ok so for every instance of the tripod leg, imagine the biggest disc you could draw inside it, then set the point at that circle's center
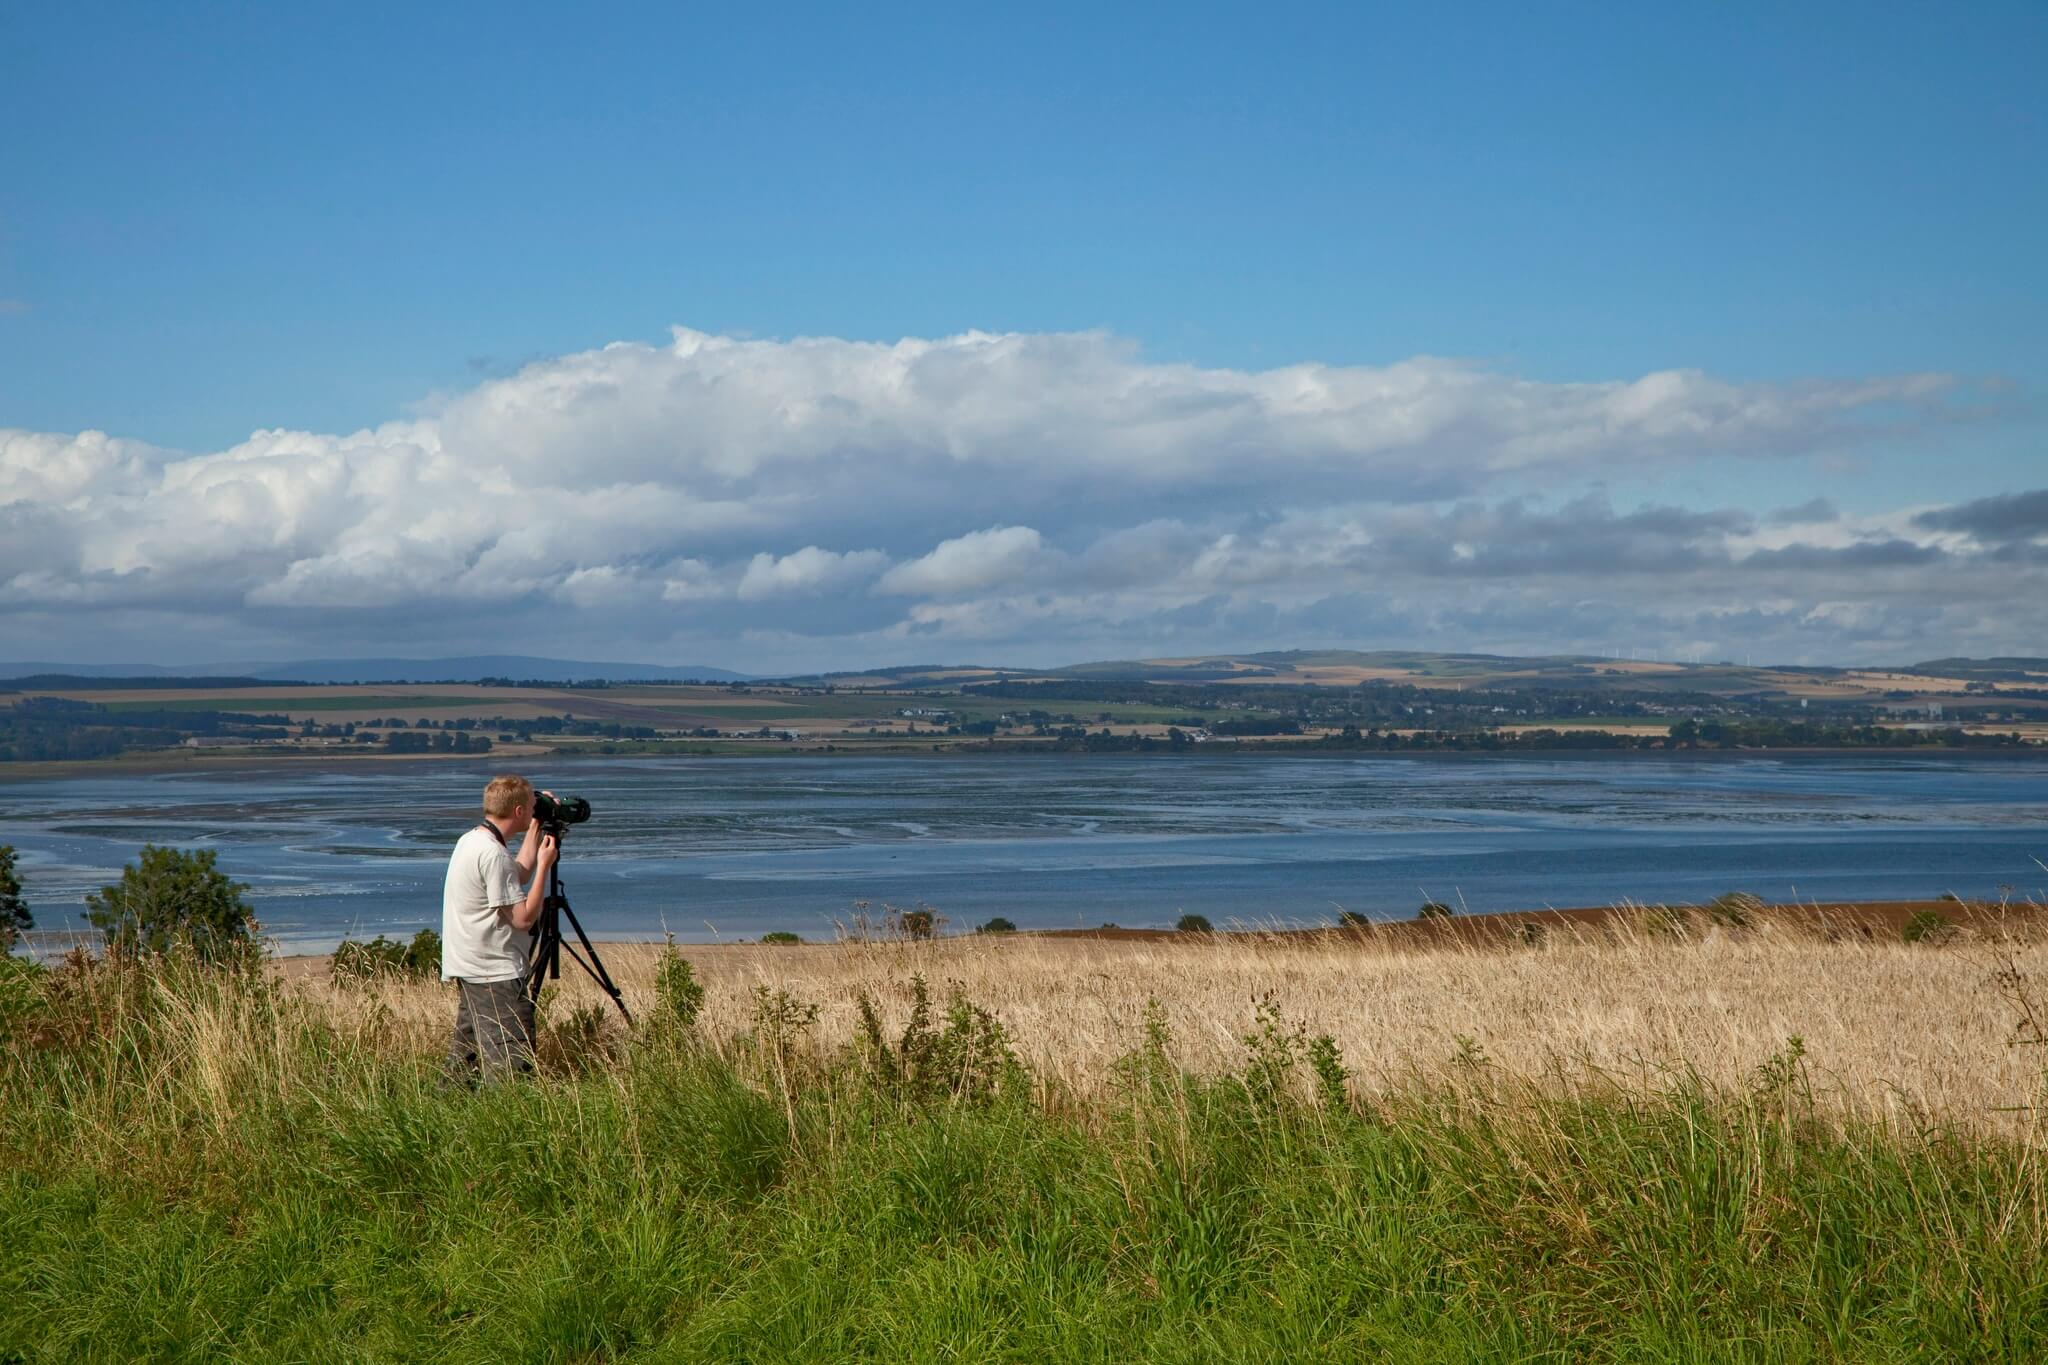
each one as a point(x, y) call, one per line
point(545, 961)
point(595, 966)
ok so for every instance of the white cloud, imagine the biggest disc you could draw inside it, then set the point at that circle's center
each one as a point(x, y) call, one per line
point(979, 559)
point(808, 570)
point(985, 487)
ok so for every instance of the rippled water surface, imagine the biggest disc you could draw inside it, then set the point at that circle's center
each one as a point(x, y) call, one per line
point(736, 847)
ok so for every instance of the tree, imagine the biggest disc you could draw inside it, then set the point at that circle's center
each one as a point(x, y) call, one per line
point(14, 917)
point(998, 925)
point(169, 897)
point(1194, 924)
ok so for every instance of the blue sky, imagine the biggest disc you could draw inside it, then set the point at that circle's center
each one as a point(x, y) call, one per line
point(218, 220)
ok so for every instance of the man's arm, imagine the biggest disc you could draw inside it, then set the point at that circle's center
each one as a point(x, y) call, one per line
point(525, 914)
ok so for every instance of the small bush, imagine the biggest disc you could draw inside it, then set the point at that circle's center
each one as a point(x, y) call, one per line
point(780, 1022)
point(1530, 934)
point(1664, 921)
point(1434, 910)
point(357, 963)
point(1354, 919)
point(998, 925)
point(678, 996)
point(919, 923)
point(1327, 1062)
point(168, 898)
point(1272, 1048)
point(21, 993)
point(1735, 909)
point(583, 1042)
point(781, 936)
point(1928, 926)
point(15, 919)
point(968, 1060)
point(1194, 924)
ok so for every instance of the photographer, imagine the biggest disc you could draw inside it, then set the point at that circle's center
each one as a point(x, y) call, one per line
point(486, 933)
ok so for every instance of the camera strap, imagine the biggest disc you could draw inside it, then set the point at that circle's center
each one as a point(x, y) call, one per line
point(496, 833)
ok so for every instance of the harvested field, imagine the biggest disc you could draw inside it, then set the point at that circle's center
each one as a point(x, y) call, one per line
point(1894, 1032)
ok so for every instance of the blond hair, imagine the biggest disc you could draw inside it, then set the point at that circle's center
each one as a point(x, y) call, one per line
point(506, 793)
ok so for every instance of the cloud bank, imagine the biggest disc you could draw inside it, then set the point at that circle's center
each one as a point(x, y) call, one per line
point(822, 502)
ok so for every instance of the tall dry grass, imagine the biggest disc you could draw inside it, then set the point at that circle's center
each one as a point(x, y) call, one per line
point(1599, 1147)
point(1910, 1035)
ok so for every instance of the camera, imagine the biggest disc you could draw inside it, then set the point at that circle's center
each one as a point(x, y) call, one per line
point(554, 813)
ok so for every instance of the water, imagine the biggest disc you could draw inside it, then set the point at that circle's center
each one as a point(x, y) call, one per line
point(737, 847)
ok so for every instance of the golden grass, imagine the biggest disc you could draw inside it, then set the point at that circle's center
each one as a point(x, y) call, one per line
point(1896, 1033)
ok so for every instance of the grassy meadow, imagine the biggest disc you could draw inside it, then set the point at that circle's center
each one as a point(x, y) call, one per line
point(1660, 1139)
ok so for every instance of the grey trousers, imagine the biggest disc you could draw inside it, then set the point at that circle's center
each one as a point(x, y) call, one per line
point(493, 1035)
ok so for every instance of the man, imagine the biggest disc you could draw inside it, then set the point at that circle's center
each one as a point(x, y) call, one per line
point(486, 934)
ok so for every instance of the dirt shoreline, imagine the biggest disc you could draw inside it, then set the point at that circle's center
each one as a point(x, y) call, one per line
point(1871, 921)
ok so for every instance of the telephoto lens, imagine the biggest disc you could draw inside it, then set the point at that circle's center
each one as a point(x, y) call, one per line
point(560, 810)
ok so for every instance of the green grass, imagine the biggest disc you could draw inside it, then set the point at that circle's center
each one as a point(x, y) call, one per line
point(167, 1196)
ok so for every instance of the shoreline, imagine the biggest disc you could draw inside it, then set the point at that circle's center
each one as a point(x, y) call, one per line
point(159, 764)
point(1867, 921)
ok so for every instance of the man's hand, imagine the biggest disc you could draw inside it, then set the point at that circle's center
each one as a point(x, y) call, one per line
point(546, 853)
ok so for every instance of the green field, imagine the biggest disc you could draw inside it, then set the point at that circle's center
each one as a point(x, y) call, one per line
point(202, 1168)
point(359, 701)
point(854, 706)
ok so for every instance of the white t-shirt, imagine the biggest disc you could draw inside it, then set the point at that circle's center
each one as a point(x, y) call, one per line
point(478, 943)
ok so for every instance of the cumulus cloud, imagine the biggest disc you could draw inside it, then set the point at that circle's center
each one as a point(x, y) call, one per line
point(1051, 491)
point(979, 559)
point(808, 570)
point(2007, 517)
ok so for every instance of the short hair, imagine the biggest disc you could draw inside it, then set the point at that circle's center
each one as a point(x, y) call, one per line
point(506, 793)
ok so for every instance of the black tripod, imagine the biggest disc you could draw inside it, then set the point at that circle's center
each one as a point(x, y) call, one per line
point(547, 936)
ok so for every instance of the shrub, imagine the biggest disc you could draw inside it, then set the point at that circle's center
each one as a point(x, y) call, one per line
point(678, 996)
point(1434, 910)
point(170, 898)
point(781, 936)
point(1664, 921)
point(1735, 909)
point(921, 923)
point(578, 1044)
point(1272, 1048)
point(356, 963)
point(21, 984)
point(969, 1059)
point(998, 925)
point(14, 917)
point(1327, 1062)
point(1530, 934)
point(1928, 926)
point(1354, 919)
point(1195, 924)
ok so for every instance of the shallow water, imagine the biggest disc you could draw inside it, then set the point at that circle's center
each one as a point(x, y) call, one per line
point(737, 847)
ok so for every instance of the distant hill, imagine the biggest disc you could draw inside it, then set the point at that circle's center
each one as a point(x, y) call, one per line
point(1987, 670)
point(514, 666)
point(1580, 673)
